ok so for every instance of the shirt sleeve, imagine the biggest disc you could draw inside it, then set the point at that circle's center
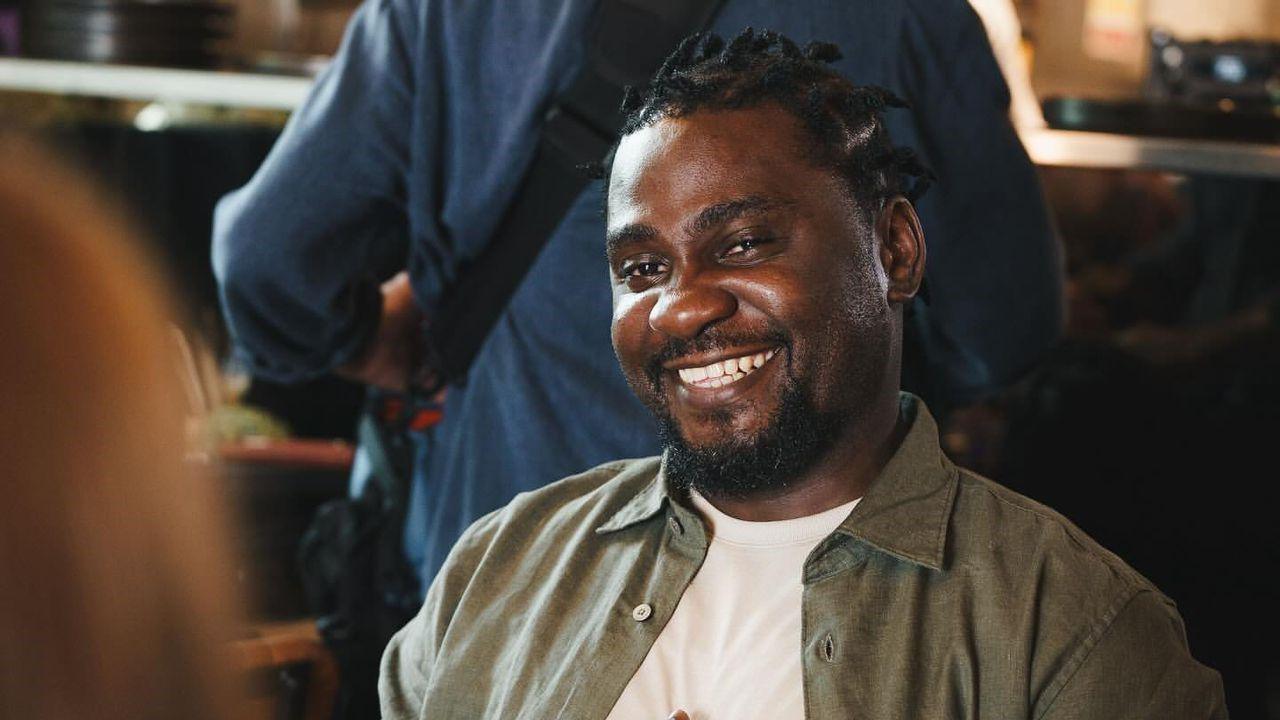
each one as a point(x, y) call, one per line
point(408, 659)
point(994, 269)
point(404, 679)
point(1139, 669)
point(300, 251)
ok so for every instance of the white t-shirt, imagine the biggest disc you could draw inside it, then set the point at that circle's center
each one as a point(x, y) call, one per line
point(732, 648)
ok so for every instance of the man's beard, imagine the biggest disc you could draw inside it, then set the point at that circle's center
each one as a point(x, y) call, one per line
point(796, 435)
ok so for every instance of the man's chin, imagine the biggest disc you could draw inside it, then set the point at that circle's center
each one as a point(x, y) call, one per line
point(728, 457)
point(721, 432)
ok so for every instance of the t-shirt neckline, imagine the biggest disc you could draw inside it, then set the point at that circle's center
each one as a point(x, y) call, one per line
point(774, 533)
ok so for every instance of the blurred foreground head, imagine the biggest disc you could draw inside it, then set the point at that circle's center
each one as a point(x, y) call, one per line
point(112, 550)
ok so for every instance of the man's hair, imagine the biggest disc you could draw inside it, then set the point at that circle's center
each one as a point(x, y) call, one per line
point(844, 121)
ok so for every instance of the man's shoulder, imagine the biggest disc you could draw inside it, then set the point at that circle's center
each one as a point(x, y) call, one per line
point(1084, 612)
point(593, 494)
point(998, 524)
point(553, 515)
point(1043, 580)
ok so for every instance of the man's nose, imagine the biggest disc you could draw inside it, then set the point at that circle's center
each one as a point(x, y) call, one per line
point(687, 308)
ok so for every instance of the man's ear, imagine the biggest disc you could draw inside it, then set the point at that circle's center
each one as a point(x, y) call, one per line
point(902, 250)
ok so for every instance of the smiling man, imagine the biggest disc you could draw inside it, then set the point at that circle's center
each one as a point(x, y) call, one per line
point(803, 548)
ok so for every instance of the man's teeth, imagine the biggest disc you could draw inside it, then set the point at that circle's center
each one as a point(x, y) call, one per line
point(719, 374)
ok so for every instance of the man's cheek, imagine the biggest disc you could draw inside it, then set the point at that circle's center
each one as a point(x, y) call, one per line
point(630, 334)
point(630, 328)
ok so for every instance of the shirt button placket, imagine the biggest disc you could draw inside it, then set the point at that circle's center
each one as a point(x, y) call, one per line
point(828, 648)
point(642, 612)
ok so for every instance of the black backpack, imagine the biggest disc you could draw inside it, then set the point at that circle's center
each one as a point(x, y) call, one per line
point(353, 567)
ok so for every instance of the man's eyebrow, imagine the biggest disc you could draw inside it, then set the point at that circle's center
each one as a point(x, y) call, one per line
point(711, 216)
point(723, 212)
point(616, 240)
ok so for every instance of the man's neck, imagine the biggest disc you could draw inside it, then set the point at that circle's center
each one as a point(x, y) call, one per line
point(843, 474)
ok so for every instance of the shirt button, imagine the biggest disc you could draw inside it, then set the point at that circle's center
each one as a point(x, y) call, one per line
point(642, 612)
point(676, 527)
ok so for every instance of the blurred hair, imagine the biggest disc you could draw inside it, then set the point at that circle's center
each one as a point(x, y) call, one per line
point(117, 599)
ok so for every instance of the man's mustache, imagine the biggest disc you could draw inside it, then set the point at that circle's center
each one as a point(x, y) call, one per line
point(709, 341)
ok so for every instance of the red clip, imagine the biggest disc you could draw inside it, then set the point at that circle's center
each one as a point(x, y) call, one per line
point(425, 418)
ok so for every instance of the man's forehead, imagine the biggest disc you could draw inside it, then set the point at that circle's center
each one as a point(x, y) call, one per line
point(702, 159)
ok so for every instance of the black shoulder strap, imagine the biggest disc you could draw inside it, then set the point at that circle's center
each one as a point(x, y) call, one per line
point(630, 40)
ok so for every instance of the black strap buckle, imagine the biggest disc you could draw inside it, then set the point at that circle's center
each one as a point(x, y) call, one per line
point(577, 140)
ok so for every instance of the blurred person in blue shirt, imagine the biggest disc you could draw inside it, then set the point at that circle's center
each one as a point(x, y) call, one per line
point(417, 135)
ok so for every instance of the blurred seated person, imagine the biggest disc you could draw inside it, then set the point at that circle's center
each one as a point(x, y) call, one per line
point(118, 600)
point(1152, 429)
point(1207, 297)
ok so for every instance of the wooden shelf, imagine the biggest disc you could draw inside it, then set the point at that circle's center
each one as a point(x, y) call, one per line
point(1066, 148)
point(203, 87)
point(313, 454)
point(275, 648)
point(1061, 148)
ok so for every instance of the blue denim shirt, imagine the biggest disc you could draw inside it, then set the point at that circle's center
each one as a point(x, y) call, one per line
point(414, 139)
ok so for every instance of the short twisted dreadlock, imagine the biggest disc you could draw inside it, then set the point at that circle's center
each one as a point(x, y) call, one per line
point(758, 68)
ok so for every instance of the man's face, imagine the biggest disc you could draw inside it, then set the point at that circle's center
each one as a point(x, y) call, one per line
point(750, 301)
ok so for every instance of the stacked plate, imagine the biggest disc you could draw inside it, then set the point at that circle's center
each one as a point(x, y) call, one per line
point(137, 32)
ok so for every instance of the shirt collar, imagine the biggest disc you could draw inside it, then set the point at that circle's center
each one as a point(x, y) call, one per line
point(644, 505)
point(907, 510)
point(905, 513)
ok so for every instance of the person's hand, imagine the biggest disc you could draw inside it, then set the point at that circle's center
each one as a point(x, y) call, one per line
point(388, 360)
point(1162, 346)
point(1197, 346)
point(1103, 282)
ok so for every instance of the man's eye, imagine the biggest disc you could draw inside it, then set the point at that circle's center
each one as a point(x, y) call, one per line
point(744, 245)
point(647, 268)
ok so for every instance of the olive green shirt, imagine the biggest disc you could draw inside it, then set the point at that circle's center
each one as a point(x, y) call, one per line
point(943, 595)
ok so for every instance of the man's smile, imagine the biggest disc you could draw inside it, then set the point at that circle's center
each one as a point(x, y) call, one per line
point(711, 381)
point(721, 372)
